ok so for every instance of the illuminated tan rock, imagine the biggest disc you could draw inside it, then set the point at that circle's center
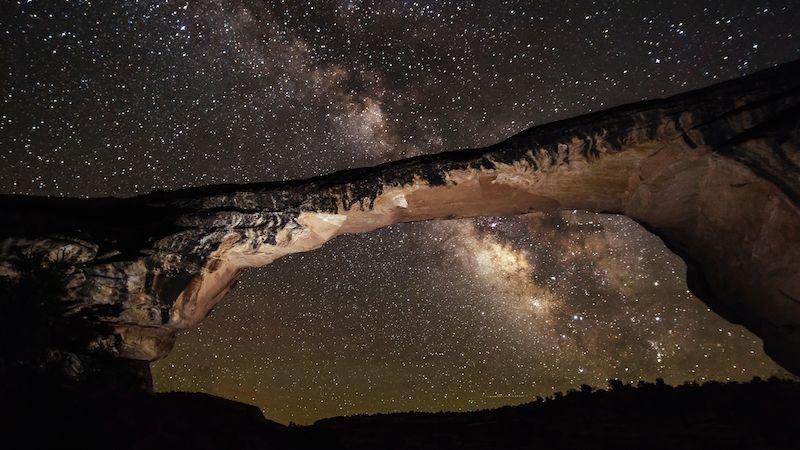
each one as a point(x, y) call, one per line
point(713, 172)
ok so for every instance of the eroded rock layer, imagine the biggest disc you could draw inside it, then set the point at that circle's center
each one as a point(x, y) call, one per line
point(715, 173)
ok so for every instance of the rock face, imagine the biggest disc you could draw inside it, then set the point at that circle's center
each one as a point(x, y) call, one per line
point(715, 173)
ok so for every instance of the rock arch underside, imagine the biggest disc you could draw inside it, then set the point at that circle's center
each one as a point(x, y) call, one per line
point(714, 172)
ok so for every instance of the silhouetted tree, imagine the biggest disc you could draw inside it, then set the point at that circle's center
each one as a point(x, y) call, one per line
point(615, 384)
point(41, 328)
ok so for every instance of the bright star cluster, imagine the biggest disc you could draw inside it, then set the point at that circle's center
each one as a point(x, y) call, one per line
point(120, 98)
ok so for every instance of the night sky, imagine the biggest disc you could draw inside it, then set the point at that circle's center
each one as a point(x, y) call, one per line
point(120, 98)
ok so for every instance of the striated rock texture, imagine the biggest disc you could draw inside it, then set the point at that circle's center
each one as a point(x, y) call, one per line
point(715, 173)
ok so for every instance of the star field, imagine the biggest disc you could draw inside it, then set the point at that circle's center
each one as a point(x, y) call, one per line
point(120, 98)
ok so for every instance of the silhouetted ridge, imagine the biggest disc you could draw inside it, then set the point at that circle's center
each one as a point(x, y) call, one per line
point(754, 415)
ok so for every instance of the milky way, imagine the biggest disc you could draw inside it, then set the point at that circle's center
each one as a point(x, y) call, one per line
point(113, 98)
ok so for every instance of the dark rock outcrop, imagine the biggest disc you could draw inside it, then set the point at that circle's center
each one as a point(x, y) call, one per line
point(715, 173)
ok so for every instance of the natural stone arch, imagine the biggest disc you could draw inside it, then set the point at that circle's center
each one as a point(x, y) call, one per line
point(713, 172)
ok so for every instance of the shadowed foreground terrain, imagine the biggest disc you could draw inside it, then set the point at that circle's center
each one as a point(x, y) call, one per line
point(754, 415)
